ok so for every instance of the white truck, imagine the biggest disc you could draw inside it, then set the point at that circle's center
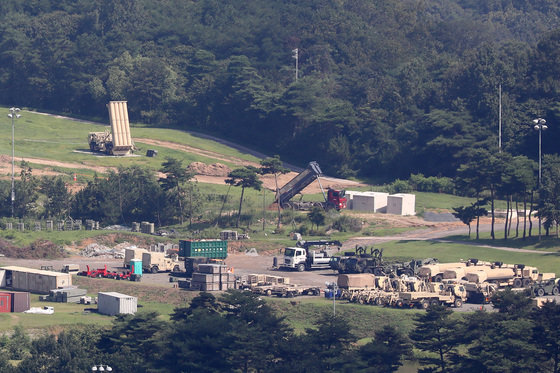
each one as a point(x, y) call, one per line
point(301, 258)
point(155, 262)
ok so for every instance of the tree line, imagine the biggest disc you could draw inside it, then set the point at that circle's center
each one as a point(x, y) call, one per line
point(514, 179)
point(385, 88)
point(128, 194)
point(240, 332)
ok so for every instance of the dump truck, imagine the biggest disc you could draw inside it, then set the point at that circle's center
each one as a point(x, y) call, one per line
point(333, 198)
point(302, 258)
point(155, 262)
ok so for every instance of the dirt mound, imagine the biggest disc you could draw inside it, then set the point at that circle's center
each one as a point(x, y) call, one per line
point(40, 249)
point(215, 169)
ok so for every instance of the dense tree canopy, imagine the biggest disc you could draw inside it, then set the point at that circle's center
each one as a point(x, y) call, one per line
point(385, 88)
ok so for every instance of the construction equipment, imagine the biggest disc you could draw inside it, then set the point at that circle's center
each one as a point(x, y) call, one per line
point(302, 258)
point(116, 141)
point(333, 198)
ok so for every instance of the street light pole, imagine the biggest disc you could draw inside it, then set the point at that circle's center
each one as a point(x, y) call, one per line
point(14, 114)
point(296, 56)
point(540, 125)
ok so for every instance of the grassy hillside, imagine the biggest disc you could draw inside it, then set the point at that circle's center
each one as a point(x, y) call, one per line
point(65, 140)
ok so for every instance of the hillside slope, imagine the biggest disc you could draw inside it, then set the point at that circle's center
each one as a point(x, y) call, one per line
point(212, 158)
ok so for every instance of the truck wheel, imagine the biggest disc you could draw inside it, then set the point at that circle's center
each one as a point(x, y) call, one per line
point(526, 282)
point(458, 302)
point(555, 291)
point(517, 283)
point(434, 302)
point(176, 268)
point(300, 267)
point(438, 278)
point(268, 292)
point(379, 301)
point(424, 304)
point(540, 292)
point(154, 269)
point(400, 303)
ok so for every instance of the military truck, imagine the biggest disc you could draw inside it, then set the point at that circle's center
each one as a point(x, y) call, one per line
point(445, 294)
point(155, 262)
point(101, 141)
point(363, 260)
point(548, 287)
point(516, 276)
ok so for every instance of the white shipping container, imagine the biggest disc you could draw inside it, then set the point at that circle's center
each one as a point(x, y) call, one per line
point(401, 204)
point(112, 303)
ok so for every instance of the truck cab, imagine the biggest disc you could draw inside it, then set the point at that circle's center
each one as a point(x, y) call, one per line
point(336, 199)
point(295, 258)
point(302, 258)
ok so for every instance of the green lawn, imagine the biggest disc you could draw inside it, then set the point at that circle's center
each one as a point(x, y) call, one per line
point(49, 137)
point(451, 252)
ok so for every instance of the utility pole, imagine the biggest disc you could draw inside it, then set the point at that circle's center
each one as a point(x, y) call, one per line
point(500, 122)
point(540, 125)
point(296, 56)
point(14, 114)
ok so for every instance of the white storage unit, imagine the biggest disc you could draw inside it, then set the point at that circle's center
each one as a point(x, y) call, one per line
point(112, 303)
point(370, 201)
point(401, 204)
point(350, 198)
point(33, 280)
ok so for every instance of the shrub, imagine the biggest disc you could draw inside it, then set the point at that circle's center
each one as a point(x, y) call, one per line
point(346, 223)
point(399, 186)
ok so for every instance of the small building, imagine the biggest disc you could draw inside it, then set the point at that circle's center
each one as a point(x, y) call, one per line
point(14, 301)
point(33, 280)
point(401, 204)
point(112, 303)
point(370, 201)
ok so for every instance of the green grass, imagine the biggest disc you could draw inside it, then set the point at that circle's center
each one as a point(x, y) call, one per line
point(451, 252)
point(363, 319)
point(48, 137)
point(550, 244)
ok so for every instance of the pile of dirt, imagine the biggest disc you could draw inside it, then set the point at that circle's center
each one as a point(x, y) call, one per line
point(40, 249)
point(215, 169)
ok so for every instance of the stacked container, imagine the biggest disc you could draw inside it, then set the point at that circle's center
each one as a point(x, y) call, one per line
point(214, 249)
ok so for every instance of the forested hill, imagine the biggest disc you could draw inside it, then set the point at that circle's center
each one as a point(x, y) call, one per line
point(385, 88)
